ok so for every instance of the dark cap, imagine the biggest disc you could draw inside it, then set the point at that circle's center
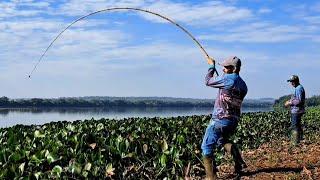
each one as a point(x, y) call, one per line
point(231, 61)
point(293, 78)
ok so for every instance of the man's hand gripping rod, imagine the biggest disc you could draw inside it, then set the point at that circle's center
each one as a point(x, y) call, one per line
point(212, 62)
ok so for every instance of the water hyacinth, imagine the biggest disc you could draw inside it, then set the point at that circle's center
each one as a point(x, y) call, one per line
point(132, 148)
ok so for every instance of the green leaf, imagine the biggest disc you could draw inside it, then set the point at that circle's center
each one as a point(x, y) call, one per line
point(181, 139)
point(109, 170)
point(74, 167)
point(87, 167)
point(127, 144)
point(38, 134)
point(145, 148)
point(163, 160)
point(70, 127)
point(56, 171)
point(100, 127)
point(164, 145)
point(36, 160)
point(21, 168)
point(51, 158)
point(85, 174)
point(37, 175)
point(15, 157)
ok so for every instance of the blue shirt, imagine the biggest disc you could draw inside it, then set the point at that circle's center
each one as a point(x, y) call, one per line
point(232, 90)
point(297, 101)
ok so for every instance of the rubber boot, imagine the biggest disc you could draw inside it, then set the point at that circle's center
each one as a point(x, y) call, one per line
point(210, 167)
point(239, 163)
point(300, 134)
point(295, 137)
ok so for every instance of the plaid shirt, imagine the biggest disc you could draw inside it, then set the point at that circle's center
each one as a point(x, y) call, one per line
point(232, 90)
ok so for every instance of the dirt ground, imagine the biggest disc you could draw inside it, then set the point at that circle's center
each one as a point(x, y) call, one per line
point(276, 161)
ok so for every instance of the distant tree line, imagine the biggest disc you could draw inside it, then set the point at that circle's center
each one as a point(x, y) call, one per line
point(5, 102)
point(312, 101)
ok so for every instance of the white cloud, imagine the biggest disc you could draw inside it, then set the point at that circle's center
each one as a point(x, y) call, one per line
point(211, 13)
point(15, 9)
point(74, 8)
point(262, 33)
point(23, 38)
point(32, 35)
point(88, 43)
point(264, 10)
point(29, 25)
point(306, 12)
point(39, 5)
point(312, 19)
point(74, 44)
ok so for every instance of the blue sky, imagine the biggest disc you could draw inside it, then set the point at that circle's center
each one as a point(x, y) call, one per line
point(133, 54)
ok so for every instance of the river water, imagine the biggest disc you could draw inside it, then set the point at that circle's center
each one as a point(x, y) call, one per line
point(27, 116)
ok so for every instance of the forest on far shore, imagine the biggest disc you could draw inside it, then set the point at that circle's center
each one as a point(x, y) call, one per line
point(106, 101)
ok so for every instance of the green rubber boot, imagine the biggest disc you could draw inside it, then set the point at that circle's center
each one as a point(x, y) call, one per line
point(239, 163)
point(295, 137)
point(210, 168)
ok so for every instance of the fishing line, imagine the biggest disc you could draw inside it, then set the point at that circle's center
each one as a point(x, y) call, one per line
point(114, 9)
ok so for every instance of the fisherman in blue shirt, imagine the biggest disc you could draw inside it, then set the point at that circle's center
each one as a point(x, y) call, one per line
point(297, 104)
point(226, 114)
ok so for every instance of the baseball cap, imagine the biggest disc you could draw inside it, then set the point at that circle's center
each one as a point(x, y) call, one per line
point(231, 61)
point(294, 78)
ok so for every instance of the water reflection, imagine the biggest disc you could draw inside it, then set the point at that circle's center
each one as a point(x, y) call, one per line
point(28, 116)
point(5, 112)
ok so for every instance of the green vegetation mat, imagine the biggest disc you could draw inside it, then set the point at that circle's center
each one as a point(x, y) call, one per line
point(134, 148)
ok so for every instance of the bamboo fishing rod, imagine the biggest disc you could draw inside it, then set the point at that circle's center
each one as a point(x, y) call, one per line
point(122, 8)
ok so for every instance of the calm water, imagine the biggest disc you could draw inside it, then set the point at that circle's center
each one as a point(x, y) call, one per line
point(11, 117)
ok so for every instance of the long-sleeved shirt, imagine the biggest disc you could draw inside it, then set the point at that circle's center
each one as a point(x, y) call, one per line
point(297, 101)
point(232, 90)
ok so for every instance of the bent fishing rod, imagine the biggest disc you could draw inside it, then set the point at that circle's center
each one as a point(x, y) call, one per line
point(127, 9)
